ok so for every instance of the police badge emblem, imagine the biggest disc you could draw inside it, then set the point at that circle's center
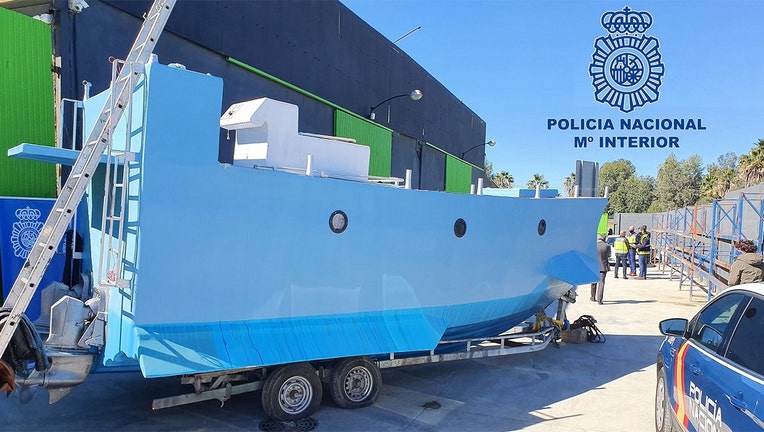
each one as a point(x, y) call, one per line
point(25, 231)
point(626, 66)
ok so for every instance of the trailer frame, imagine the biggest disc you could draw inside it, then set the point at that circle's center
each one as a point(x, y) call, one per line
point(220, 384)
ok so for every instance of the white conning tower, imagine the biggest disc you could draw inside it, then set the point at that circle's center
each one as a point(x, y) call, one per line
point(267, 136)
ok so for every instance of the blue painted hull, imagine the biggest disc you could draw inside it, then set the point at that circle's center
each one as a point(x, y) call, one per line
point(235, 267)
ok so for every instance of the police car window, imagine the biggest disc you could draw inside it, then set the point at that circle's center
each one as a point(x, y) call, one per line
point(711, 337)
point(711, 324)
point(746, 346)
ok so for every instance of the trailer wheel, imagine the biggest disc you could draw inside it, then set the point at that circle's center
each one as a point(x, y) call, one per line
point(292, 392)
point(355, 382)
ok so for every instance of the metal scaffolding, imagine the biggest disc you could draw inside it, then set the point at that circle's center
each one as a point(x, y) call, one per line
point(696, 242)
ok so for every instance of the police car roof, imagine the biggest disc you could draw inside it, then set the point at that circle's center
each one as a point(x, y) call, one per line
point(757, 288)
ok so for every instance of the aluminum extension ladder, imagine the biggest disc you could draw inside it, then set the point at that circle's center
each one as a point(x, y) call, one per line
point(86, 164)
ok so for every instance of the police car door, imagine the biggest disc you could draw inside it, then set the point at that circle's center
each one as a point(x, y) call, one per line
point(740, 379)
point(699, 361)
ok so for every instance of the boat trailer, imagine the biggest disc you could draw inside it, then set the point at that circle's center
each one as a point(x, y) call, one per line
point(223, 385)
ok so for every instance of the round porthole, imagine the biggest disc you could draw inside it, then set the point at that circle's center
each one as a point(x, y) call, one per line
point(542, 227)
point(338, 221)
point(460, 227)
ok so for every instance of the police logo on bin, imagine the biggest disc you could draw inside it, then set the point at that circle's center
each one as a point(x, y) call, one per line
point(25, 231)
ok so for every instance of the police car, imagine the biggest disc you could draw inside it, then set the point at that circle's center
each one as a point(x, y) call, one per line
point(711, 368)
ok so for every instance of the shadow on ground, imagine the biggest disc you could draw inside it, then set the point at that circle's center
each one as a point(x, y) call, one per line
point(500, 393)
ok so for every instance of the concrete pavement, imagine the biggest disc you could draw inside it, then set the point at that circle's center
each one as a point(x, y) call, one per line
point(574, 388)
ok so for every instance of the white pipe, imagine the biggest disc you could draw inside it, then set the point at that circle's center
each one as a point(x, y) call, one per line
point(607, 190)
point(309, 168)
point(480, 186)
point(538, 190)
point(408, 179)
point(86, 89)
point(472, 189)
point(575, 191)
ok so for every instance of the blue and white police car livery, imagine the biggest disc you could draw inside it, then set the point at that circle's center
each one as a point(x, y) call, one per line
point(711, 369)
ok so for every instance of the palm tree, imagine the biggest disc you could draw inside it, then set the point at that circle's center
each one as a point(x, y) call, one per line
point(751, 165)
point(718, 182)
point(503, 180)
point(537, 179)
point(569, 184)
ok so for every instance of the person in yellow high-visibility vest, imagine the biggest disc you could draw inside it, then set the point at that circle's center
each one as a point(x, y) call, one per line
point(621, 247)
point(643, 251)
point(632, 238)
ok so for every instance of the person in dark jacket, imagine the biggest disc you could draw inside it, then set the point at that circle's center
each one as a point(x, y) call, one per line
point(748, 267)
point(603, 253)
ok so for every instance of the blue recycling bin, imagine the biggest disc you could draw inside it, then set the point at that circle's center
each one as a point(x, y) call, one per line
point(20, 222)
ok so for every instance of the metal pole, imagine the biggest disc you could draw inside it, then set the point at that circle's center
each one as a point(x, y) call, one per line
point(309, 167)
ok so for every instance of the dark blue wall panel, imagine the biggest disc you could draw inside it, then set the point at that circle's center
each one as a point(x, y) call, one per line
point(433, 169)
point(405, 156)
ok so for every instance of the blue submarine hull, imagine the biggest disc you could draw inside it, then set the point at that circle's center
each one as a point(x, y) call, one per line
point(233, 267)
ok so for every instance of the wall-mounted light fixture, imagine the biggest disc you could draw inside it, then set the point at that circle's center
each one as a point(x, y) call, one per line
point(414, 95)
point(490, 143)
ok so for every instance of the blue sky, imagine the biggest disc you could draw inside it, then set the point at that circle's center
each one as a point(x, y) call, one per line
point(519, 63)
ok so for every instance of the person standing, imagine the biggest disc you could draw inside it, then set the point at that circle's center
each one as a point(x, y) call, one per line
point(747, 267)
point(603, 253)
point(632, 238)
point(643, 251)
point(621, 246)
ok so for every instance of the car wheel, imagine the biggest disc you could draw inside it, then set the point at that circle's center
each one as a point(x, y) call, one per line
point(663, 420)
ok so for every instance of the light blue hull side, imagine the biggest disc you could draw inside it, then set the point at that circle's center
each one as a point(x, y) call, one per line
point(234, 267)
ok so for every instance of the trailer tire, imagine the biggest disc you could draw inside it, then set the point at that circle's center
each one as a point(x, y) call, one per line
point(292, 392)
point(355, 382)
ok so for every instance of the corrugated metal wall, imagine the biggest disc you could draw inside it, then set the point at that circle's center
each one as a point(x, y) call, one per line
point(458, 175)
point(379, 139)
point(27, 108)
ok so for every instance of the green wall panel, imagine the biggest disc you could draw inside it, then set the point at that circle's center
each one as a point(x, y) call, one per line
point(458, 175)
point(379, 139)
point(26, 104)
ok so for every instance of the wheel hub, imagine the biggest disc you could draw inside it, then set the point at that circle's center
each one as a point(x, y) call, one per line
point(358, 384)
point(295, 395)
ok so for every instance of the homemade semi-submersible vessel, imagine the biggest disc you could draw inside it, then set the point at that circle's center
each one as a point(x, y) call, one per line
point(289, 267)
